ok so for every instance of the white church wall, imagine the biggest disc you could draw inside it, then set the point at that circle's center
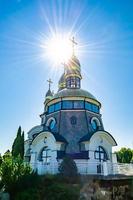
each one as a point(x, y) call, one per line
point(44, 139)
point(47, 168)
point(100, 140)
point(58, 145)
point(26, 146)
point(90, 166)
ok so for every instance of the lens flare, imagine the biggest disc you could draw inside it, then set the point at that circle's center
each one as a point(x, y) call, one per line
point(59, 49)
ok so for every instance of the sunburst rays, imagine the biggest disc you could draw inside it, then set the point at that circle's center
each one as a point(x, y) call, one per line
point(29, 47)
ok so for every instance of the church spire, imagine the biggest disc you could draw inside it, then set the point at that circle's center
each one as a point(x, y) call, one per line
point(49, 93)
point(50, 82)
point(73, 69)
point(71, 77)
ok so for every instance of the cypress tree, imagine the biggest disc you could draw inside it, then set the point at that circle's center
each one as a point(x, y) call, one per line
point(18, 144)
point(22, 145)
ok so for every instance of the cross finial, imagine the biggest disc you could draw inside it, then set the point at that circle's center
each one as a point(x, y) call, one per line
point(73, 44)
point(49, 82)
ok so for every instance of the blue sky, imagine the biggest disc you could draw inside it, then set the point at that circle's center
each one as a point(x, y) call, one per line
point(104, 32)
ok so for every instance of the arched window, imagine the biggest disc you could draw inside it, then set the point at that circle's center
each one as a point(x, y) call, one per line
point(100, 154)
point(51, 123)
point(45, 155)
point(95, 123)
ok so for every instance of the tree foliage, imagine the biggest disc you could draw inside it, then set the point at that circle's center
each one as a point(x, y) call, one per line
point(18, 144)
point(124, 155)
point(54, 187)
point(11, 171)
point(15, 175)
point(28, 194)
point(21, 183)
point(68, 167)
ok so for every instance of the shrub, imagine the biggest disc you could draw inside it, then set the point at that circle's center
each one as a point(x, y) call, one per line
point(29, 194)
point(12, 171)
point(68, 167)
point(58, 191)
point(54, 187)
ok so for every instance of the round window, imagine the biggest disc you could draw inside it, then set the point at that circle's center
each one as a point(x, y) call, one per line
point(52, 124)
point(94, 124)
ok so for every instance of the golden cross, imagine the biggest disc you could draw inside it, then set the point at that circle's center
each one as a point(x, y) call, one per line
point(49, 82)
point(73, 43)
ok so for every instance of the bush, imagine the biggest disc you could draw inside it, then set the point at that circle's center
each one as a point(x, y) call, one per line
point(22, 184)
point(68, 167)
point(29, 194)
point(54, 187)
point(62, 192)
point(68, 171)
point(15, 175)
point(58, 191)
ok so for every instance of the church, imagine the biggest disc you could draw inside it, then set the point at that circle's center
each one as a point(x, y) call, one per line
point(71, 125)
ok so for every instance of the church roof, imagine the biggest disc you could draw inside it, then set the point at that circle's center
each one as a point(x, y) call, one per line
point(62, 82)
point(49, 93)
point(74, 92)
point(87, 137)
point(74, 62)
point(59, 138)
point(73, 67)
point(62, 78)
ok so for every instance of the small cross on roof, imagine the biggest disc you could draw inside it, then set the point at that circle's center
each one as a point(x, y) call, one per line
point(73, 43)
point(49, 82)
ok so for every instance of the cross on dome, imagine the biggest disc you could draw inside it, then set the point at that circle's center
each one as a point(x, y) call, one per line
point(49, 82)
point(73, 44)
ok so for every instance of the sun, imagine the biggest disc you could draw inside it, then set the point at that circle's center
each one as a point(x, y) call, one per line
point(59, 49)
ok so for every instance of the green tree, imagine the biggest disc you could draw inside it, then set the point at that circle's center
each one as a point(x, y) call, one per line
point(11, 171)
point(18, 144)
point(124, 155)
point(22, 145)
point(7, 154)
point(68, 167)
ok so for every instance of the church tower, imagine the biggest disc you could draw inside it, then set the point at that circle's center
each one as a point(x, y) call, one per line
point(73, 73)
point(71, 78)
point(71, 125)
